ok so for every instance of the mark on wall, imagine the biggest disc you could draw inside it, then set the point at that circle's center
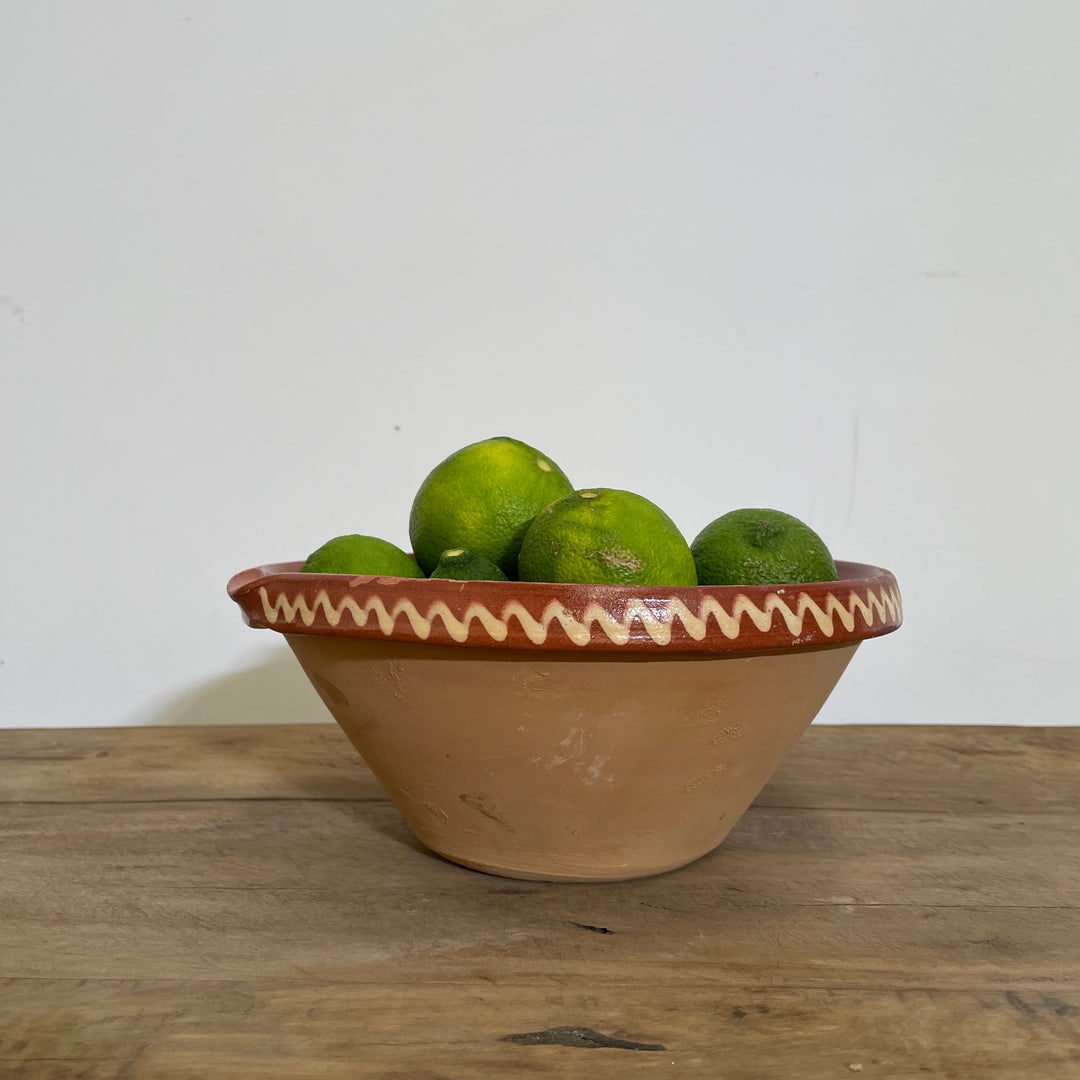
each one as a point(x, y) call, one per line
point(854, 467)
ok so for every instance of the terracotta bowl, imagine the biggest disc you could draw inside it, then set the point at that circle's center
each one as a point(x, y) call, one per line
point(570, 732)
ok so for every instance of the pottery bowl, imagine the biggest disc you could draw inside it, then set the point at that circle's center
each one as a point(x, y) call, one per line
point(570, 732)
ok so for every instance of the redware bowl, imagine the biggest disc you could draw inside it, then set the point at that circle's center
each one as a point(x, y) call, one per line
point(570, 732)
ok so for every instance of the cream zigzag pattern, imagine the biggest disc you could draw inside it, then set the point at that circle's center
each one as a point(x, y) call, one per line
point(884, 607)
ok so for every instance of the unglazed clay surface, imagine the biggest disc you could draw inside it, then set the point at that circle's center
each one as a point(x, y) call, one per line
point(575, 767)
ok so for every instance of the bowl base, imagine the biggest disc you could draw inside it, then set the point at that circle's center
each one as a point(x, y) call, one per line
point(583, 875)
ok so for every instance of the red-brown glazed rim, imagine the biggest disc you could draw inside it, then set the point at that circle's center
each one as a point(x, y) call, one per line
point(865, 602)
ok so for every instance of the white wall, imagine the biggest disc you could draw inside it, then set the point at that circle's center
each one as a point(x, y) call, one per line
point(262, 265)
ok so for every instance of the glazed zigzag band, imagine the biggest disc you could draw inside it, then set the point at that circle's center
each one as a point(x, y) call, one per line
point(657, 618)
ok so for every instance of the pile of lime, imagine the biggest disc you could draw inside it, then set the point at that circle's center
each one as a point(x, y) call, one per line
point(500, 510)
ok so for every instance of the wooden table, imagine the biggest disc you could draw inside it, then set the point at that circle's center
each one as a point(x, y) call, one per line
point(245, 903)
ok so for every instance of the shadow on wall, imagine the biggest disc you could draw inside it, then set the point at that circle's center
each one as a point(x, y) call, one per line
point(274, 691)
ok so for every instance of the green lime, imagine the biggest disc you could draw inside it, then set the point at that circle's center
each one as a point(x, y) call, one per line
point(603, 536)
point(482, 498)
point(461, 565)
point(760, 547)
point(355, 554)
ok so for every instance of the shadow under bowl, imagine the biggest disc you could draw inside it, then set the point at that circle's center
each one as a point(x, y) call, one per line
point(570, 732)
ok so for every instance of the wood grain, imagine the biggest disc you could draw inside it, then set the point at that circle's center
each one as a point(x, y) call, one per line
point(929, 768)
point(245, 902)
point(254, 1030)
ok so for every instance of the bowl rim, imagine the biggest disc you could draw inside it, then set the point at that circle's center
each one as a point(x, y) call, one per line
point(863, 602)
